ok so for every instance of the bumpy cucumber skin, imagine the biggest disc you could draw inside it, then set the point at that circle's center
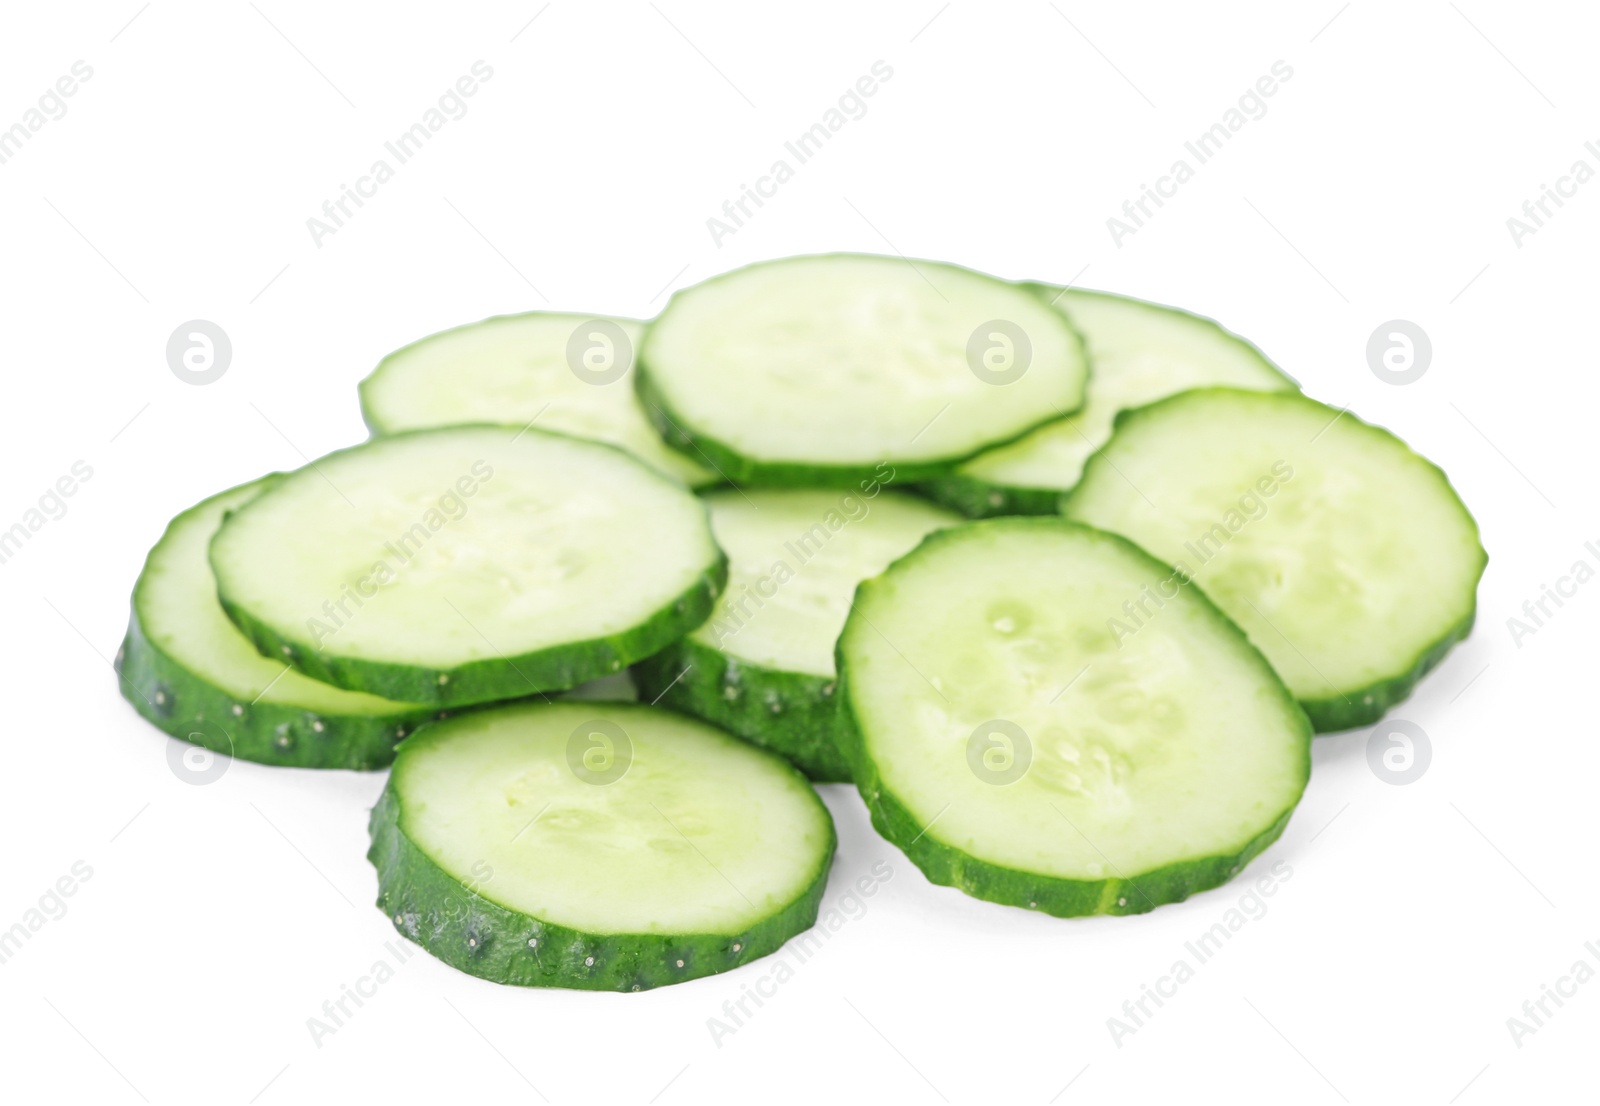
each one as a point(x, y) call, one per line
point(1050, 293)
point(948, 866)
point(554, 668)
point(557, 668)
point(376, 429)
point(367, 384)
point(976, 498)
point(793, 714)
point(1368, 705)
point(749, 472)
point(738, 468)
point(480, 937)
point(185, 705)
point(979, 498)
point(1362, 706)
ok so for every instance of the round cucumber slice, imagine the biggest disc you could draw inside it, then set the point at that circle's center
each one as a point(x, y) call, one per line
point(570, 373)
point(1012, 747)
point(816, 370)
point(762, 664)
point(188, 670)
point(1140, 352)
point(468, 564)
point(1349, 560)
point(604, 846)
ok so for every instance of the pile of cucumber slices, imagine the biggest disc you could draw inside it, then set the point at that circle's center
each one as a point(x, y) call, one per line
point(1063, 581)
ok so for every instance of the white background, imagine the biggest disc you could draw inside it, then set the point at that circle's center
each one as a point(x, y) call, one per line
point(177, 186)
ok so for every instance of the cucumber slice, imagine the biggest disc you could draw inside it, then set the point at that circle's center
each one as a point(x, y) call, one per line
point(1349, 560)
point(188, 670)
point(468, 564)
point(1010, 748)
point(571, 373)
point(762, 664)
point(604, 846)
point(1140, 352)
point(814, 370)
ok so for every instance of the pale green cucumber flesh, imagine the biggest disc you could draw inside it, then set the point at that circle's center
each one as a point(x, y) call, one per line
point(1014, 748)
point(1349, 560)
point(605, 846)
point(468, 564)
point(1138, 353)
point(762, 665)
point(819, 370)
point(188, 670)
point(563, 372)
